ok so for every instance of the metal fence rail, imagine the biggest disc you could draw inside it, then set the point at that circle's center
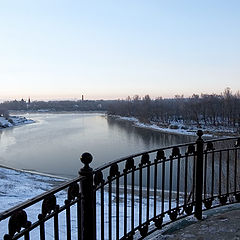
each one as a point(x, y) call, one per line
point(128, 195)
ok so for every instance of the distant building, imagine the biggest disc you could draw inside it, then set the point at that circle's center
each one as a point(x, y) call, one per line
point(29, 100)
point(82, 98)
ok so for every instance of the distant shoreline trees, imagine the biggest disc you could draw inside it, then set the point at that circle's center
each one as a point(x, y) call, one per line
point(204, 109)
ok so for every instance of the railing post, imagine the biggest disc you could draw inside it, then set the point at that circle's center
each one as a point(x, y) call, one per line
point(199, 176)
point(87, 201)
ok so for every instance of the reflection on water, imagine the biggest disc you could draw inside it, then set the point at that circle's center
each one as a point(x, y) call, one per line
point(55, 142)
point(150, 138)
point(7, 139)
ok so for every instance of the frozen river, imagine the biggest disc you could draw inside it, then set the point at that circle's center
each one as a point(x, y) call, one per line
point(54, 143)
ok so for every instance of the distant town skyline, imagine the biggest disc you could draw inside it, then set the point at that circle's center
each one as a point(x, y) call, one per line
point(83, 97)
point(114, 49)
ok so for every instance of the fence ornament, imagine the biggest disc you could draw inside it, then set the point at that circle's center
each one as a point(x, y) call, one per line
point(158, 222)
point(173, 215)
point(207, 203)
point(191, 149)
point(223, 199)
point(145, 159)
point(176, 152)
point(73, 191)
point(48, 205)
point(98, 178)
point(113, 171)
point(188, 209)
point(16, 222)
point(129, 164)
point(209, 147)
point(160, 155)
point(144, 230)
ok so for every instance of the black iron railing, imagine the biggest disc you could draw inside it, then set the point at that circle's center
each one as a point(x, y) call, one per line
point(133, 196)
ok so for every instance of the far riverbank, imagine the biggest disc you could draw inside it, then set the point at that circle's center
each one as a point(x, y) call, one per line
point(180, 128)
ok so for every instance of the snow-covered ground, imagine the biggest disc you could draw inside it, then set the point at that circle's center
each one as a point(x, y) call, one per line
point(180, 128)
point(13, 121)
point(18, 186)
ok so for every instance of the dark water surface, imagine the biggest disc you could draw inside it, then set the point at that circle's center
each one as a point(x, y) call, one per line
point(55, 142)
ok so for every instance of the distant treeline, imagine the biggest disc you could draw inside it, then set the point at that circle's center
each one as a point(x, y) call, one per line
point(207, 109)
point(63, 105)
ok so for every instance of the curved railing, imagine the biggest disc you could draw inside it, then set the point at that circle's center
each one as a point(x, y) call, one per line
point(136, 195)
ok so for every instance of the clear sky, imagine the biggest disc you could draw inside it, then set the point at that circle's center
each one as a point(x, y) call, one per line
point(55, 49)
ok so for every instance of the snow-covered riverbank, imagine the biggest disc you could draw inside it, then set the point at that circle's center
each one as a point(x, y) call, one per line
point(18, 186)
point(11, 121)
point(180, 128)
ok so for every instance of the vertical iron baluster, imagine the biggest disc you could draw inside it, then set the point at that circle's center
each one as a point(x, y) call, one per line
point(148, 188)
point(56, 232)
point(155, 188)
point(194, 176)
point(42, 231)
point(212, 192)
point(178, 180)
point(163, 185)
point(235, 172)
point(102, 211)
point(199, 175)
point(79, 217)
point(205, 176)
point(68, 219)
point(132, 201)
point(125, 203)
point(117, 208)
point(110, 209)
point(228, 172)
point(26, 236)
point(140, 195)
point(220, 173)
point(185, 181)
point(170, 183)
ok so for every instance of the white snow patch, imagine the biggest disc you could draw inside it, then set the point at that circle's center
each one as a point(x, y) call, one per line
point(13, 121)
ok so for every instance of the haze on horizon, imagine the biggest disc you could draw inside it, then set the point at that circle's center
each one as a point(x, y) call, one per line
point(112, 49)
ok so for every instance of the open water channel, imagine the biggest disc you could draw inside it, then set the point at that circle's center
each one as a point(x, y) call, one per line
point(55, 142)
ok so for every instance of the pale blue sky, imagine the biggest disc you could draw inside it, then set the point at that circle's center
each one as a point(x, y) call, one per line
point(53, 49)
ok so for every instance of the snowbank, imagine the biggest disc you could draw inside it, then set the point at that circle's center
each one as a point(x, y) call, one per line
point(13, 121)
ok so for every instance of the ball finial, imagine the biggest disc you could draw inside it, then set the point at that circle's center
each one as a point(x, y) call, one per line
point(86, 158)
